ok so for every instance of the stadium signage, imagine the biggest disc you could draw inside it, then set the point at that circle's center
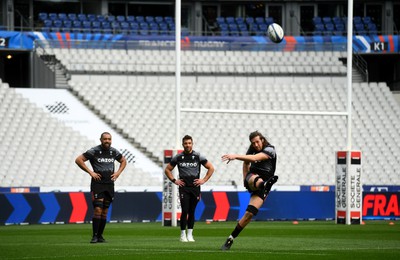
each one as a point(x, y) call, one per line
point(3, 42)
point(379, 46)
point(383, 205)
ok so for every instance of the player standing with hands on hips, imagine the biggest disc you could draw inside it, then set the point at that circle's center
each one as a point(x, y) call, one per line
point(259, 165)
point(189, 167)
point(102, 159)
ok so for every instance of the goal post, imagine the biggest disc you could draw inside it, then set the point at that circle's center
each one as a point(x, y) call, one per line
point(348, 192)
point(171, 206)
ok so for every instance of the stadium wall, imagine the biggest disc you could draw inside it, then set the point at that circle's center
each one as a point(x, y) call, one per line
point(75, 207)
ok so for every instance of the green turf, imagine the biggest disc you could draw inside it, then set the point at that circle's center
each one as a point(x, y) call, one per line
point(260, 240)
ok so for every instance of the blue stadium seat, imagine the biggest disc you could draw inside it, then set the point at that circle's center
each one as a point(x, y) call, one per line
point(100, 18)
point(72, 16)
point(125, 28)
point(263, 27)
point(169, 19)
point(233, 29)
point(220, 20)
point(105, 25)
point(110, 18)
point(48, 23)
point(153, 27)
point(249, 20)
point(337, 20)
point(130, 18)
point(57, 23)
point(357, 20)
point(43, 16)
point(91, 17)
point(317, 20)
point(134, 28)
point(326, 20)
point(62, 16)
point(359, 29)
point(149, 19)
point(120, 18)
point(340, 29)
point(76, 26)
point(87, 26)
point(53, 16)
point(367, 19)
point(229, 19)
point(159, 19)
point(239, 20)
point(330, 29)
point(163, 28)
point(223, 27)
point(115, 26)
point(140, 19)
point(319, 29)
point(82, 17)
point(372, 29)
point(67, 24)
point(96, 27)
point(269, 20)
point(260, 20)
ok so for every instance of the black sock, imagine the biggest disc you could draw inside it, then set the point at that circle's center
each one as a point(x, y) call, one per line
point(236, 231)
point(95, 225)
point(102, 225)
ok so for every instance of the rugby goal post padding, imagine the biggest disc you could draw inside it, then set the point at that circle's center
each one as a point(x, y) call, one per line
point(171, 206)
point(348, 192)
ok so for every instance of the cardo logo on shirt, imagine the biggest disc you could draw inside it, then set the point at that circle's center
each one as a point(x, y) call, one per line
point(105, 160)
point(188, 164)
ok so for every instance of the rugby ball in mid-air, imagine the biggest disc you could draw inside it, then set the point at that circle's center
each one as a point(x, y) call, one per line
point(275, 33)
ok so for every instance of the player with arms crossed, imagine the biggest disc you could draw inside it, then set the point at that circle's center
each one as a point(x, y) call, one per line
point(189, 166)
point(102, 159)
point(258, 174)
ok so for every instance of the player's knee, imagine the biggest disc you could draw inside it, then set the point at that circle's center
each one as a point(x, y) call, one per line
point(253, 210)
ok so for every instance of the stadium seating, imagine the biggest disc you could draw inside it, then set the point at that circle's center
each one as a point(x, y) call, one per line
point(338, 25)
point(306, 144)
point(43, 149)
point(231, 62)
point(142, 106)
point(91, 23)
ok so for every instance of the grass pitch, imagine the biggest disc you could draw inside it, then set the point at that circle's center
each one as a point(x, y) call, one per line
point(260, 240)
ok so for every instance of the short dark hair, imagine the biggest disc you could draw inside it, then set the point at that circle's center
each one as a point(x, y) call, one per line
point(187, 137)
point(104, 133)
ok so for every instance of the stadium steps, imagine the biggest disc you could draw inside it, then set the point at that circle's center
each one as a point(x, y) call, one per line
point(101, 114)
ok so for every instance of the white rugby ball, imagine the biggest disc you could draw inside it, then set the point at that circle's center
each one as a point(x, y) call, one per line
point(275, 32)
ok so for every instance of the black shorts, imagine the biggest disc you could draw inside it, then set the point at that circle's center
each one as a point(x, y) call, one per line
point(191, 191)
point(259, 193)
point(102, 191)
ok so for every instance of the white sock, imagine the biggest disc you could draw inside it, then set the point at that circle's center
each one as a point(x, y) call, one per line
point(230, 236)
point(190, 232)
point(183, 233)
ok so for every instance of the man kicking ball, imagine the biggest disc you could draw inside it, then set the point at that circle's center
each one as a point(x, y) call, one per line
point(259, 165)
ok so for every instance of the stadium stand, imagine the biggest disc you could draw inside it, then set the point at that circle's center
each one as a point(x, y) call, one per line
point(91, 23)
point(42, 150)
point(228, 62)
point(306, 144)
